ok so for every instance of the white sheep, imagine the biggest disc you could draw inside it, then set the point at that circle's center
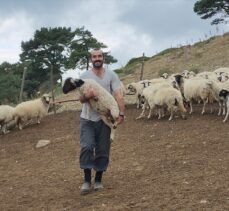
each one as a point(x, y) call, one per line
point(161, 96)
point(222, 70)
point(6, 116)
point(28, 110)
point(136, 88)
point(104, 103)
point(195, 89)
point(216, 88)
point(225, 94)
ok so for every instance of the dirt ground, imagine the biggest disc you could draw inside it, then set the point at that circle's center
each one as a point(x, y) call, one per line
point(154, 165)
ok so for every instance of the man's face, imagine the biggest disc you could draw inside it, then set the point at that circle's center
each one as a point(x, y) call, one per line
point(97, 58)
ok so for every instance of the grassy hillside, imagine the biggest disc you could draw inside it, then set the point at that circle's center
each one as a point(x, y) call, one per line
point(202, 56)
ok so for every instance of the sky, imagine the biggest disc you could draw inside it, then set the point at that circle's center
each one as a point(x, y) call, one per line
point(127, 27)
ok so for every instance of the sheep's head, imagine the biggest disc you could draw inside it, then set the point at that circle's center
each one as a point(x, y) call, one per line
point(223, 93)
point(179, 79)
point(131, 89)
point(71, 84)
point(46, 98)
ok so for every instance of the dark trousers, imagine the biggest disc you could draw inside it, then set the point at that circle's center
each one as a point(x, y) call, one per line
point(94, 145)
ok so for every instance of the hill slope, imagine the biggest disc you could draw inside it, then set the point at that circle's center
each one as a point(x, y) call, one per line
point(202, 56)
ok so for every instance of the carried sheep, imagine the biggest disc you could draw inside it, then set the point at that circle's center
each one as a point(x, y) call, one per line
point(104, 103)
point(6, 116)
point(28, 110)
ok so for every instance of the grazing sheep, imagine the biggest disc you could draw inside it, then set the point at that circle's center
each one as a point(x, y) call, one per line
point(6, 116)
point(216, 88)
point(195, 89)
point(104, 103)
point(222, 70)
point(28, 110)
point(225, 94)
point(136, 88)
point(161, 96)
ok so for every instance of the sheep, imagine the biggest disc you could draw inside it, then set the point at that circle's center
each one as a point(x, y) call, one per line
point(28, 110)
point(104, 103)
point(147, 93)
point(225, 94)
point(216, 88)
point(222, 70)
point(160, 96)
point(164, 75)
point(6, 116)
point(195, 89)
point(136, 88)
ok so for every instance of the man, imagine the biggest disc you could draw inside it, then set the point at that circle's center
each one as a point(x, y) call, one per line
point(94, 133)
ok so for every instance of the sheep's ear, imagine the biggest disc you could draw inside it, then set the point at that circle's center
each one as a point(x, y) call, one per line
point(79, 82)
point(223, 93)
point(69, 85)
point(178, 79)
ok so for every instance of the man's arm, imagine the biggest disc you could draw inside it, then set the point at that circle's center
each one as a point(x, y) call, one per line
point(121, 104)
point(89, 95)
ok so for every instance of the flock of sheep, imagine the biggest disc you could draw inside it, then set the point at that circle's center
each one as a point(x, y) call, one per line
point(179, 91)
point(167, 93)
point(23, 112)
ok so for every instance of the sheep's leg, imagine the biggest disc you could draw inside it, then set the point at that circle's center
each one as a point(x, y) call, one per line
point(171, 114)
point(191, 110)
point(226, 105)
point(220, 107)
point(226, 117)
point(163, 111)
point(138, 103)
point(4, 129)
point(19, 123)
point(212, 109)
point(150, 112)
point(159, 113)
point(38, 120)
point(203, 110)
point(143, 112)
point(224, 108)
point(112, 135)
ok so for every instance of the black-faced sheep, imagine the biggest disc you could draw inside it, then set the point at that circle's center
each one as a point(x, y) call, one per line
point(225, 94)
point(104, 103)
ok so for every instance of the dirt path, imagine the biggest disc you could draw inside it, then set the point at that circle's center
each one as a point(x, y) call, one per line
point(155, 165)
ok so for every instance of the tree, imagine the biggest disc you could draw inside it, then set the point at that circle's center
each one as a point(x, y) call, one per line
point(47, 50)
point(10, 82)
point(209, 8)
point(80, 47)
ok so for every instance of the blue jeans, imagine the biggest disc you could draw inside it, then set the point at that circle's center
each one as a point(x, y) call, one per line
point(94, 145)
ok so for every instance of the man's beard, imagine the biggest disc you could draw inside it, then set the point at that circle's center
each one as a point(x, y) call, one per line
point(97, 64)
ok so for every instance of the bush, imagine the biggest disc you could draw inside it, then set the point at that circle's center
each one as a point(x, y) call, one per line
point(195, 69)
point(164, 70)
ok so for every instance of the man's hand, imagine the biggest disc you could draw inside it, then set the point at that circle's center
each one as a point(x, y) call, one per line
point(91, 93)
point(120, 120)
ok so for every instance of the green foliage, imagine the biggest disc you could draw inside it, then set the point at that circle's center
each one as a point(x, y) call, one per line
point(164, 70)
point(49, 49)
point(166, 51)
point(136, 60)
point(80, 47)
point(195, 68)
point(204, 42)
point(209, 8)
point(10, 84)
